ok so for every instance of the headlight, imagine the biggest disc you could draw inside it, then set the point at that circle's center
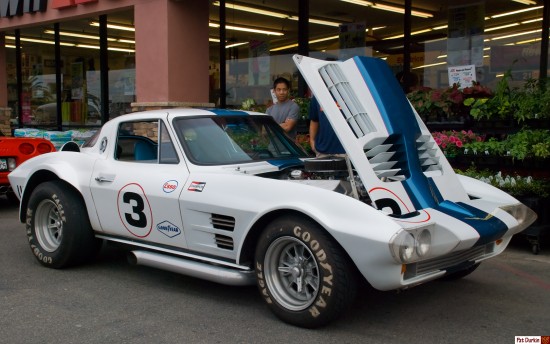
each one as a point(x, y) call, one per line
point(423, 243)
point(524, 215)
point(407, 246)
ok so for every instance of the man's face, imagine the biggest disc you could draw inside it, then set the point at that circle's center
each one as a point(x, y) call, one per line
point(281, 91)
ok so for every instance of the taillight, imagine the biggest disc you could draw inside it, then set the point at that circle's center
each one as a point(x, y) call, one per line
point(43, 148)
point(26, 148)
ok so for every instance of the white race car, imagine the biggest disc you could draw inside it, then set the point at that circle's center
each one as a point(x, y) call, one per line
point(227, 196)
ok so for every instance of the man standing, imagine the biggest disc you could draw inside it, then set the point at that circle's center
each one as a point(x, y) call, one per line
point(285, 111)
point(322, 138)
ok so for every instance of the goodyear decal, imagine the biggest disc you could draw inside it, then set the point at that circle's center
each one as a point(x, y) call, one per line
point(168, 229)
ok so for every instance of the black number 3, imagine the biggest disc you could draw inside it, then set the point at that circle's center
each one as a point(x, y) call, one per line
point(137, 209)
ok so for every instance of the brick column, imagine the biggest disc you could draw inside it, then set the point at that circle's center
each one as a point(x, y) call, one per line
point(5, 115)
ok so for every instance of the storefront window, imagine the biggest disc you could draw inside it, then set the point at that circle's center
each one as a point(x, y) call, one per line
point(80, 73)
point(38, 97)
point(122, 63)
point(11, 70)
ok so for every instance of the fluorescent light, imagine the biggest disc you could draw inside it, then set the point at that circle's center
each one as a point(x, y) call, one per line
point(526, 2)
point(235, 45)
point(87, 46)
point(115, 26)
point(129, 41)
point(10, 46)
point(43, 41)
point(531, 20)
point(216, 40)
point(240, 28)
point(310, 42)
point(430, 65)
point(412, 34)
point(256, 10)
point(440, 27)
point(389, 8)
point(75, 34)
point(359, 2)
point(500, 27)
point(515, 12)
point(514, 35)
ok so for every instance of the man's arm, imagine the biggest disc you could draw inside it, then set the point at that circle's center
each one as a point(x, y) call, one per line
point(288, 124)
point(313, 130)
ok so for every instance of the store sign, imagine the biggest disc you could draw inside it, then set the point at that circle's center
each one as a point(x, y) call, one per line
point(10, 8)
point(58, 4)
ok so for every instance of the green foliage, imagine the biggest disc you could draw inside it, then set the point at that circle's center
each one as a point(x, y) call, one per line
point(515, 185)
point(523, 144)
point(532, 101)
point(497, 106)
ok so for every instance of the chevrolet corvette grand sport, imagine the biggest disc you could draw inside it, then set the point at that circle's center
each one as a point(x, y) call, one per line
point(15, 150)
point(225, 196)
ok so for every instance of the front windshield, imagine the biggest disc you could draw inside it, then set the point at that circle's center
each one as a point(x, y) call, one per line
point(234, 139)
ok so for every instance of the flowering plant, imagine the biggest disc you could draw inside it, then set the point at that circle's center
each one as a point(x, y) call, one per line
point(452, 142)
point(515, 185)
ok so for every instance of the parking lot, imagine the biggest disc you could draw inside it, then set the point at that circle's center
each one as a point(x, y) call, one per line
point(112, 301)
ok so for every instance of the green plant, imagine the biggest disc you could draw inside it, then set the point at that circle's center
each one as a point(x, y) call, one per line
point(515, 185)
point(303, 104)
point(490, 147)
point(499, 105)
point(528, 143)
point(532, 100)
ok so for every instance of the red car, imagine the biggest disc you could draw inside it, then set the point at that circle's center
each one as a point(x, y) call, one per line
point(13, 152)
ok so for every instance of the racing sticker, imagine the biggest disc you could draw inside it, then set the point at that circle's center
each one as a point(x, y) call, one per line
point(168, 229)
point(196, 186)
point(170, 186)
point(134, 210)
point(388, 202)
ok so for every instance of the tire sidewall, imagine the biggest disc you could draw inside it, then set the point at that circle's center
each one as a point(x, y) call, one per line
point(69, 214)
point(328, 301)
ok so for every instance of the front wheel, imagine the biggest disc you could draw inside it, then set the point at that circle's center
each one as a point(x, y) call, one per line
point(58, 227)
point(303, 274)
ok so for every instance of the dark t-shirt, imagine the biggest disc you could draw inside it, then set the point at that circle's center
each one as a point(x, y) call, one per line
point(326, 140)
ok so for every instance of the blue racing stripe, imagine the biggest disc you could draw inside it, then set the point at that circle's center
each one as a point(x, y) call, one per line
point(400, 121)
point(489, 227)
point(225, 112)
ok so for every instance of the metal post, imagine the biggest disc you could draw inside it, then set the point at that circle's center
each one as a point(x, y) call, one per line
point(223, 86)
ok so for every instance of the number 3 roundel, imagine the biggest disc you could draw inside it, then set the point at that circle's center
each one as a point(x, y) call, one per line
point(134, 210)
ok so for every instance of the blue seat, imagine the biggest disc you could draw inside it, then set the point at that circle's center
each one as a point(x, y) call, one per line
point(145, 151)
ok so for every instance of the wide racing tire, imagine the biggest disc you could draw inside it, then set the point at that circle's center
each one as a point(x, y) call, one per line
point(304, 276)
point(58, 228)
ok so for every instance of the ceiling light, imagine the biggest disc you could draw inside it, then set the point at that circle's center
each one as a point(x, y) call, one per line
point(10, 46)
point(515, 12)
point(500, 27)
point(115, 26)
point(526, 2)
point(440, 27)
point(310, 42)
point(129, 41)
point(240, 28)
point(430, 65)
point(216, 40)
point(412, 34)
point(531, 20)
point(43, 41)
point(235, 45)
point(389, 8)
point(74, 34)
point(87, 46)
point(514, 35)
point(359, 2)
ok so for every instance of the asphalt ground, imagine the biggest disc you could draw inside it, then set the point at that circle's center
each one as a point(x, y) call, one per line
point(110, 301)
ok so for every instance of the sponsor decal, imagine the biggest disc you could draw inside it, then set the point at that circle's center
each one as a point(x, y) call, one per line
point(168, 229)
point(134, 210)
point(196, 186)
point(170, 186)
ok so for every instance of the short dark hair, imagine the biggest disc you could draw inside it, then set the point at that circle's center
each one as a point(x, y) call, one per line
point(281, 80)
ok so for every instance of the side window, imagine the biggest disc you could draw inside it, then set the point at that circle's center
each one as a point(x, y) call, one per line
point(167, 152)
point(138, 141)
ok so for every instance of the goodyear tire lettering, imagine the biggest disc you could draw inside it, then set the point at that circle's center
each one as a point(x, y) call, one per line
point(335, 284)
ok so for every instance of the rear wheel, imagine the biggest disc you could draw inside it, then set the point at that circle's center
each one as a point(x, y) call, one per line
point(58, 227)
point(303, 275)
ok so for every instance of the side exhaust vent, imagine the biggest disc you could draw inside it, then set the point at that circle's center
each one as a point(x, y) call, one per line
point(427, 154)
point(223, 222)
point(223, 241)
point(387, 160)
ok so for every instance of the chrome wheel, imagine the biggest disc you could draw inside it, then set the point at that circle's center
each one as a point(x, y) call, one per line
point(48, 225)
point(291, 273)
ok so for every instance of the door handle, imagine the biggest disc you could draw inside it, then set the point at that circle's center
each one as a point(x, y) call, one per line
point(102, 179)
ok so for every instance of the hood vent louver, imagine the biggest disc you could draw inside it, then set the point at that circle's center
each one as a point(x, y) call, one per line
point(223, 222)
point(351, 108)
point(427, 154)
point(388, 160)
